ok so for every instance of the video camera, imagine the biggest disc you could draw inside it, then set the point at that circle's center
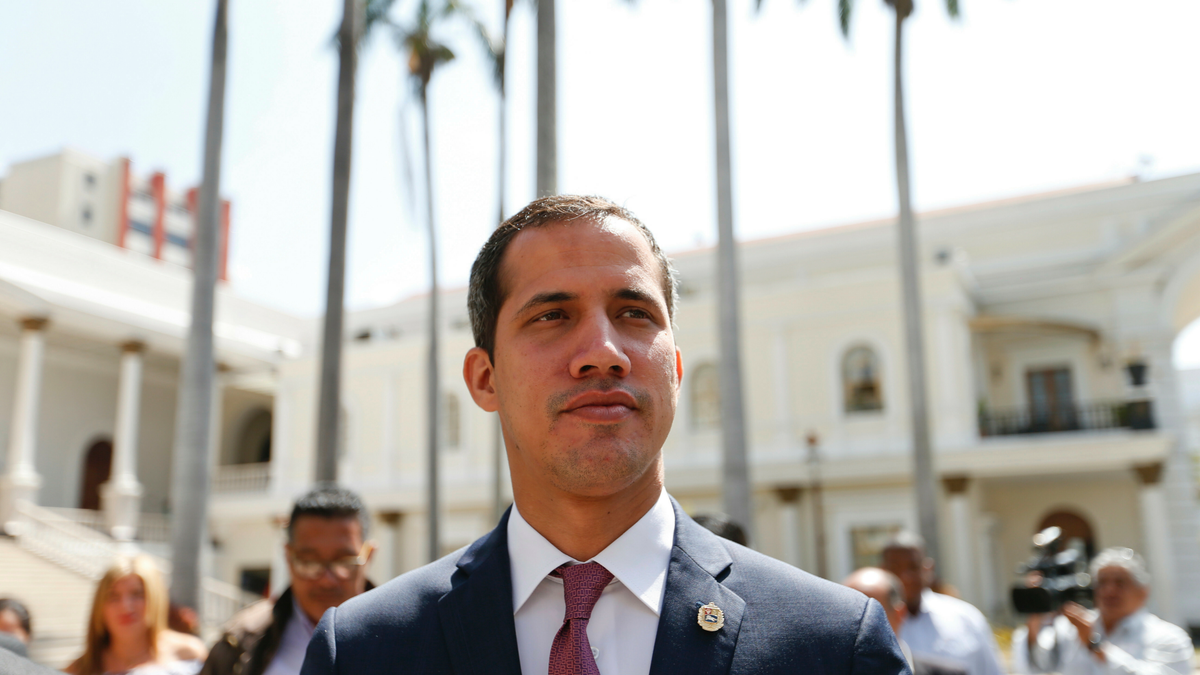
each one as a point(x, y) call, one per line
point(1062, 576)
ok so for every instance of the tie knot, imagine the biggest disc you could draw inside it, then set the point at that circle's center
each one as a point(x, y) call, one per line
point(582, 586)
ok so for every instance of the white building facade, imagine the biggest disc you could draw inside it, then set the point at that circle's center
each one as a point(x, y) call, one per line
point(1049, 322)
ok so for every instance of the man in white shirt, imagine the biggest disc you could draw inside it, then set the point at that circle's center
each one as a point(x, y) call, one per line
point(1120, 638)
point(595, 569)
point(939, 626)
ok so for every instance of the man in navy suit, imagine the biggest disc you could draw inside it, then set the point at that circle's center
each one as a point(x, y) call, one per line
point(594, 569)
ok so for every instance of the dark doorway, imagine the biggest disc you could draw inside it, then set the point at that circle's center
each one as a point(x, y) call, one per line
point(1074, 527)
point(257, 580)
point(97, 467)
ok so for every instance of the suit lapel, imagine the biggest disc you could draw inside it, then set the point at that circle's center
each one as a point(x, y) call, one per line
point(681, 645)
point(477, 613)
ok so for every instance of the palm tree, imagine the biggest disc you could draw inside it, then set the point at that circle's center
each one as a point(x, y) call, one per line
point(329, 405)
point(500, 60)
point(910, 284)
point(190, 473)
point(547, 100)
point(735, 470)
point(424, 55)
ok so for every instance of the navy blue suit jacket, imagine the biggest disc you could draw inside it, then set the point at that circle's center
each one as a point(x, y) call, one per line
point(456, 616)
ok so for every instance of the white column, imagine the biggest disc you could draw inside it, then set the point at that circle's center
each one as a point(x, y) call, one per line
point(21, 479)
point(121, 496)
point(1157, 542)
point(962, 535)
point(789, 524)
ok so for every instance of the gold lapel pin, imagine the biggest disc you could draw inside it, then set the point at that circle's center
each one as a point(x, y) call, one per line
point(710, 617)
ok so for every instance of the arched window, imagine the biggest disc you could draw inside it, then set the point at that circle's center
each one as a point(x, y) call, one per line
point(254, 443)
point(861, 388)
point(1076, 530)
point(706, 398)
point(452, 421)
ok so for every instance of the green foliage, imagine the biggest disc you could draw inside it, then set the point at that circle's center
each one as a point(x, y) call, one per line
point(416, 39)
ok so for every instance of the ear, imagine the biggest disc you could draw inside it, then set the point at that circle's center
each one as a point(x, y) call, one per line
point(678, 369)
point(480, 378)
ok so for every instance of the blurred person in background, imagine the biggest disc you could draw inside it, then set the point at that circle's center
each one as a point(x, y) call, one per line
point(127, 630)
point(1120, 637)
point(938, 627)
point(720, 525)
point(16, 628)
point(327, 555)
point(885, 588)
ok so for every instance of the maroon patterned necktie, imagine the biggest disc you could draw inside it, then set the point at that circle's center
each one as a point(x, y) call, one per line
point(571, 653)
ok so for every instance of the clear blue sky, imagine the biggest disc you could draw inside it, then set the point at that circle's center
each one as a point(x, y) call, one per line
point(1017, 96)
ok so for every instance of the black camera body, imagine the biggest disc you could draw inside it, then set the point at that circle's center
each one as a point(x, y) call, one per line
point(1052, 578)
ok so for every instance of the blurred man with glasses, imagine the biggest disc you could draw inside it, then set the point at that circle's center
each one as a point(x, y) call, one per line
point(327, 555)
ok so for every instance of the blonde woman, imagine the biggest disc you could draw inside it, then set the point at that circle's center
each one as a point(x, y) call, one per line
point(127, 632)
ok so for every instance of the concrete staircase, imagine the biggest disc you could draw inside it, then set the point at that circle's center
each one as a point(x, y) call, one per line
point(58, 599)
point(51, 562)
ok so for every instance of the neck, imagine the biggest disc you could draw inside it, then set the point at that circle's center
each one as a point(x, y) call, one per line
point(1110, 624)
point(130, 650)
point(582, 526)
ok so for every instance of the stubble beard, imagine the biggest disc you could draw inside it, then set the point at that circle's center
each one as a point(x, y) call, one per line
point(611, 457)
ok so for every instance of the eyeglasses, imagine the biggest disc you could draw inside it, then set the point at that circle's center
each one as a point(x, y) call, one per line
point(342, 569)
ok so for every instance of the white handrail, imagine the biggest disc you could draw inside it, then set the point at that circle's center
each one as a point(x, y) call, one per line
point(243, 478)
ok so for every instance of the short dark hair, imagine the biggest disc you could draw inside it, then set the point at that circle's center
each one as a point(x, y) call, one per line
point(487, 293)
point(720, 525)
point(328, 500)
point(17, 607)
point(904, 540)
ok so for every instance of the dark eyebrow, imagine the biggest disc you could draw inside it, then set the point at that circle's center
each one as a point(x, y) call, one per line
point(545, 299)
point(635, 295)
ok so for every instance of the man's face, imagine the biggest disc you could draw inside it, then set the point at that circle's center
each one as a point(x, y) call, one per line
point(331, 544)
point(1118, 594)
point(911, 565)
point(586, 373)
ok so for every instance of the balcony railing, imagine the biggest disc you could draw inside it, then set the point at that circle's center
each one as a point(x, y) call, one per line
point(152, 527)
point(242, 478)
point(1089, 416)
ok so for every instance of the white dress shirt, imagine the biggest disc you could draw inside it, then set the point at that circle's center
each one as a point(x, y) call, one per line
point(951, 630)
point(1141, 644)
point(293, 645)
point(625, 619)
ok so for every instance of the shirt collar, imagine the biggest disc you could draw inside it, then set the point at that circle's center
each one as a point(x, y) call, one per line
point(638, 558)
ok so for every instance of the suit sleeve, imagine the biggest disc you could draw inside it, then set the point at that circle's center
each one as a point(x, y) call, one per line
point(876, 651)
point(321, 657)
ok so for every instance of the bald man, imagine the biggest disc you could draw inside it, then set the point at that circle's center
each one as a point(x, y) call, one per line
point(886, 589)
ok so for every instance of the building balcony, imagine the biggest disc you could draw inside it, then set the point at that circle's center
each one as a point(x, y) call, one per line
point(1085, 416)
point(242, 479)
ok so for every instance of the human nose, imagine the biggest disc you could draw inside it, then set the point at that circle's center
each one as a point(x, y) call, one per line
point(600, 351)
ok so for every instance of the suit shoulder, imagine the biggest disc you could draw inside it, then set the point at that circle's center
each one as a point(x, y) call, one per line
point(761, 579)
point(407, 598)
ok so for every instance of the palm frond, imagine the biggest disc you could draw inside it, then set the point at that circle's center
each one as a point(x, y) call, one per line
point(845, 10)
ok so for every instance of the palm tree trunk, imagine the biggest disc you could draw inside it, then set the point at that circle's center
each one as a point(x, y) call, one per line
point(547, 100)
point(923, 473)
point(329, 406)
point(498, 435)
point(736, 486)
point(193, 425)
point(433, 385)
